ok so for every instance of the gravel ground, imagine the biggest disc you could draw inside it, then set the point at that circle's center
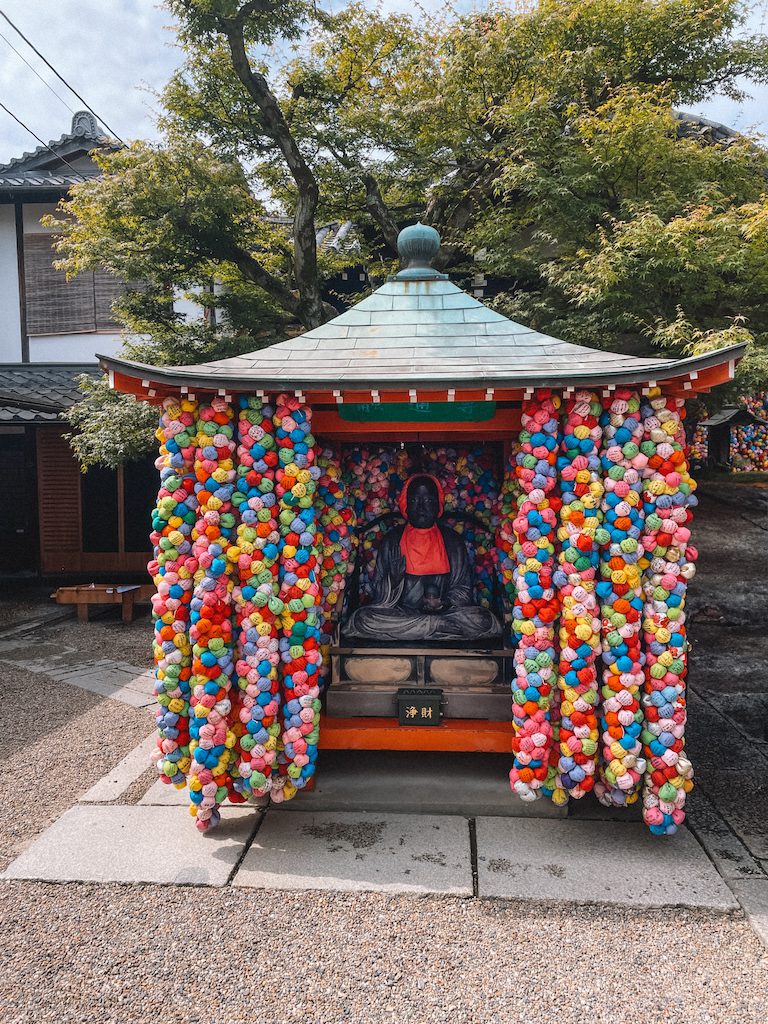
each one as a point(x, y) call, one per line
point(12, 613)
point(129, 641)
point(58, 740)
point(193, 955)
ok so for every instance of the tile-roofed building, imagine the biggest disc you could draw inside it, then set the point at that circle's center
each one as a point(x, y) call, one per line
point(56, 519)
point(58, 165)
point(719, 427)
point(37, 393)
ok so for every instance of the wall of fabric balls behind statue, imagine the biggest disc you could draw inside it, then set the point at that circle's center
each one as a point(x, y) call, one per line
point(586, 527)
point(749, 443)
point(469, 475)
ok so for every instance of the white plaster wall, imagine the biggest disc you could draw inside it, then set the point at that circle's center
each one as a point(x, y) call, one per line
point(32, 214)
point(73, 348)
point(58, 348)
point(10, 319)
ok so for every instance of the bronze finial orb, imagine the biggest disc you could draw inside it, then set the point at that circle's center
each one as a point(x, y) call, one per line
point(418, 245)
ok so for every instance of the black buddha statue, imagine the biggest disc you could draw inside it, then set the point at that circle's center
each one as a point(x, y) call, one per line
point(422, 583)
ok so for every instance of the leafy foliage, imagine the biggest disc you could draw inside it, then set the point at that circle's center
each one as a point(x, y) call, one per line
point(540, 139)
point(110, 428)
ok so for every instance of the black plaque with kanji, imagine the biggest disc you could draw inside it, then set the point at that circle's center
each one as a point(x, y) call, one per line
point(419, 706)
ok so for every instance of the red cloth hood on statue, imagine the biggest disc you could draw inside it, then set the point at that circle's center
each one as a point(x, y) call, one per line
point(424, 550)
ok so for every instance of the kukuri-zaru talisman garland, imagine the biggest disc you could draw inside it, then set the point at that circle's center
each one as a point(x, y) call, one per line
point(300, 594)
point(621, 600)
point(580, 515)
point(280, 472)
point(256, 601)
point(667, 566)
point(536, 607)
point(173, 569)
point(211, 736)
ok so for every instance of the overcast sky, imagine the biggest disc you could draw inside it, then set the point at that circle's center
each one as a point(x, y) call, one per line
point(111, 50)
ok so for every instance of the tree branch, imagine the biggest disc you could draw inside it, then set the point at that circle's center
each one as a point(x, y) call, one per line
point(254, 272)
point(374, 202)
point(456, 222)
point(311, 310)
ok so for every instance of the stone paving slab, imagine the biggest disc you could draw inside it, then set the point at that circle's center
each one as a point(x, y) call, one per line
point(753, 897)
point(358, 852)
point(75, 673)
point(123, 774)
point(115, 692)
point(136, 844)
point(595, 861)
point(743, 804)
point(107, 678)
point(425, 782)
point(45, 618)
point(748, 710)
point(116, 685)
point(726, 851)
point(37, 665)
point(160, 794)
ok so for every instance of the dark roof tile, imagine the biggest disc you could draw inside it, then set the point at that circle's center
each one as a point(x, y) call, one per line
point(38, 392)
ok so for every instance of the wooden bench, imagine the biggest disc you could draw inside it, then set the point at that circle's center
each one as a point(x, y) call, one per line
point(100, 593)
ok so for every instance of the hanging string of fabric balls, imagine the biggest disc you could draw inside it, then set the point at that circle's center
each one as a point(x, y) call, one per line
point(237, 551)
point(536, 608)
point(625, 505)
point(338, 522)
point(211, 735)
point(621, 600)
point(581, 515)
point(668, 565)
point(750, 442)
point(256, 601)
point(173, 570)
point(699, 449)
point(749, 448)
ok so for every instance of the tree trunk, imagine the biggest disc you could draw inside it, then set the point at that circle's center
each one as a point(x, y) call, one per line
point(310, 308)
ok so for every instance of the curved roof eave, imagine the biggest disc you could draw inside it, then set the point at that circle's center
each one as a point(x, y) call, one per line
point(203, 379)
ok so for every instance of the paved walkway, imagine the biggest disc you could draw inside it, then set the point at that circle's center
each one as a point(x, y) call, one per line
point(326, 841)
point(105, 676)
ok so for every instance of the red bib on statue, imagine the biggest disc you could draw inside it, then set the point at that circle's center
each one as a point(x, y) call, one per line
point(423, 550)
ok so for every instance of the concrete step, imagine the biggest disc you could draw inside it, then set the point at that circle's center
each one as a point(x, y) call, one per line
point(405, 782)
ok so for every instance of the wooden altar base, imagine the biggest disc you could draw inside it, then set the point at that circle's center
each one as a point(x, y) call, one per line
point(365, 677)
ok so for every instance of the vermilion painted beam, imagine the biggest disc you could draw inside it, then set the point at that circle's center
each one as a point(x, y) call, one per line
point(459, 734)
